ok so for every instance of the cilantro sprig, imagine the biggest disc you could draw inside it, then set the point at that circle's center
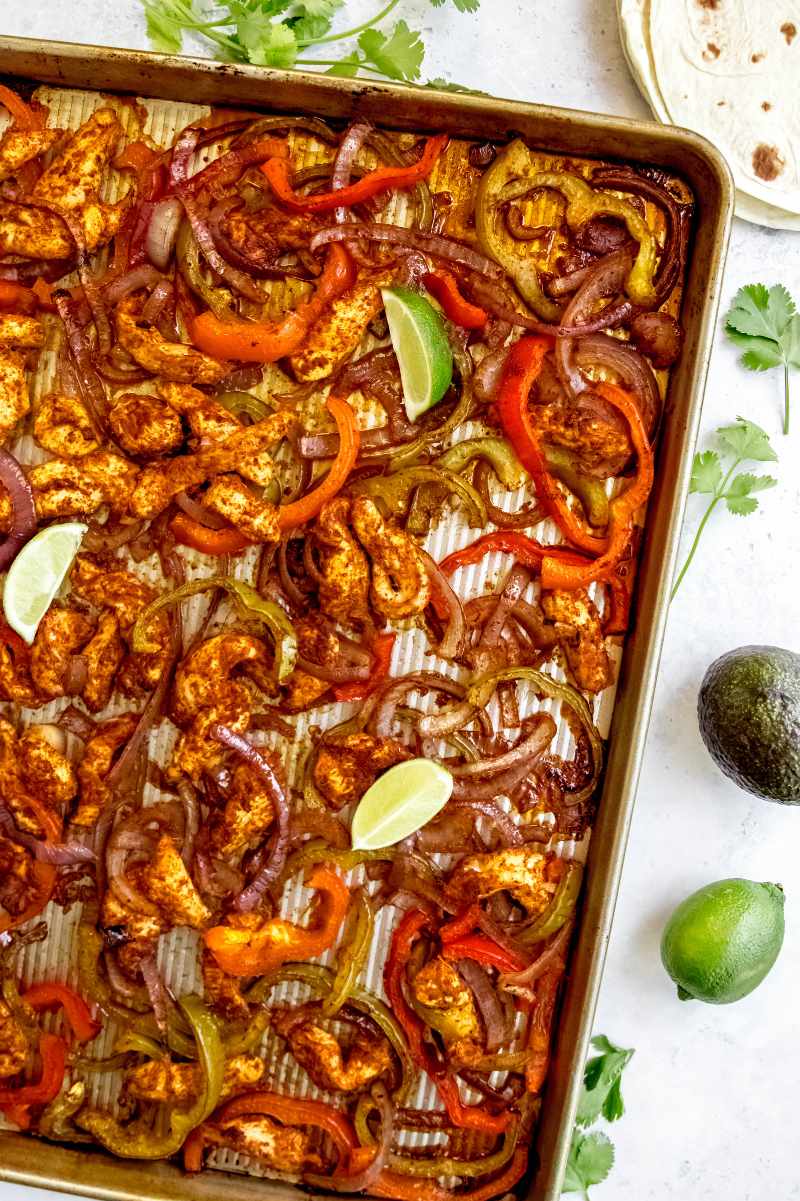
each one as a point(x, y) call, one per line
point(713, 475)
point(279, 33)
point(765, 323)
point(591, 1156)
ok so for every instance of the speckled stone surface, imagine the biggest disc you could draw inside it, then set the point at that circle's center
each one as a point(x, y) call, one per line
point(711, 1090)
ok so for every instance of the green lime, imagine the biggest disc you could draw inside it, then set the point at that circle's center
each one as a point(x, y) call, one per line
point(36, 575)
point(420, 342)
point(399, 803)
point(722, 940)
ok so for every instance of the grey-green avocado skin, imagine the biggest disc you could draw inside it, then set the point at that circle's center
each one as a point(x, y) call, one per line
point(749, 713)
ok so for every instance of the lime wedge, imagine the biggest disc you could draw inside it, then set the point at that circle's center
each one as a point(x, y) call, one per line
point(36, 575)
point(399, 803)
point(420, 342)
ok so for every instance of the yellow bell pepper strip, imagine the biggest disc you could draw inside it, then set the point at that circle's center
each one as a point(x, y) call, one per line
point(307, 507)
point(15, 1103)
point(139, 1140)
point(556, 573)
point(352, 955)
point(395, 490)
point(250, 603)
point(583, 203)
point(257, 952)
point(268, 341)
point(521, 371)
point(382, 179)
point(515, 161)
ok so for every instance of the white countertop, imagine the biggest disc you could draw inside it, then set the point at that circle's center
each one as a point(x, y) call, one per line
point(710, 1115)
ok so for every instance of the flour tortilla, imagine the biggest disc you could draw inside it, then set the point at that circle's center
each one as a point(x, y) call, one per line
point(718, 63)
point(633, 24)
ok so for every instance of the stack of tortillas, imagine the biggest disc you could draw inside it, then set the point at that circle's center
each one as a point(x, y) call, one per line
point(729, 69)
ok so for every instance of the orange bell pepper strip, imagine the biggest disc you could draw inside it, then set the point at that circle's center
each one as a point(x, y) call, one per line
point(258, 952)
point(292, 1111)
point(372, 184)
point(302, 510)
point(268, 341)
point(556, 573)
point(460, 926)
point(16, 298)
point(24, 116)
point(43, 291)
point(511, 542)
point(52, 995)
point(15, 1102)
point(382, 646)
point(193, 533)
point(443, 286)
point(521, 371)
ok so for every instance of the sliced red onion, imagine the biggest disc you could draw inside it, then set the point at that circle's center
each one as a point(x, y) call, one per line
point(237, 279)
point(492, 295)
point(143, 276)
point(334, 673)
point(396, 235)
point(606, 278)
point(137, 743)
point(454, 642)
point(75, 721)
point(252, 895)
point(506, 827)
point(346, 155)
point(635, 373)
point(198, 512)
point(552, 955)
point(363, 1181)
point(382, 721)
point(182, 153)
point(162, 231)
point(190, 800)
point(215, 878)
point(157, 301)
point(91, 289)
point(157, 991)
point(76, 675)
point(91, 386)
point(516, 582)
point(59, 853)
point(110, 536)
point(487, 1002)
point(489, 372)
point(528, 749)
point(23, 509)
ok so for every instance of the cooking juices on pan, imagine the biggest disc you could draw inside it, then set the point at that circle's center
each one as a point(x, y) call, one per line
point(274, 384)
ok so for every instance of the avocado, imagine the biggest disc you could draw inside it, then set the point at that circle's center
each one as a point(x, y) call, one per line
point(749, 713)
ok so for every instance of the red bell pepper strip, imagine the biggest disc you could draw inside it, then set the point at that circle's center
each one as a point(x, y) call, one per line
point(558, 574)
point(467, 1117)
point(24, 116)
point(16, 1101)
point(16, 298)
point(190, 532)
point(372, 184)
point(268, 341)
point(524, 549)
point(43, 291)
point(382, 646)
point(52, 995)
point(43, 874)
point(505, 1181)
point(443, 286)
point(483, 950)
point(294, 1111)
point(258, 952)
point(521, 370)
point(460, 926)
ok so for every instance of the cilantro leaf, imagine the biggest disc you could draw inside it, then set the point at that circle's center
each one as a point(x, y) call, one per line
point(591, 1158)
point(165, 22)
point(346, 67)
point(320, 8)
point(747, 440)
point(267, 43)
point(601, 1075)
point(765, 324)
point(308, 29)
point(399, 55)
point(706, 472)
point(614, 1106)
point(463, 6)
point(713, 474)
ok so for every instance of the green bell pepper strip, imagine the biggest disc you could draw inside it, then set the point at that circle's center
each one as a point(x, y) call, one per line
point(583, 203)
point(480, 692)
point(439, 1165)
point(352, 955)
point(395, 490)
point(141, 1142)
point(496, 451)
point(187, 254)
point(245, 402)
point(589, 491)
point(560, 909)
point(320, 980)
point(132, 1040)
point(250, 604)
point(515, 161)
point(244, 1041)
